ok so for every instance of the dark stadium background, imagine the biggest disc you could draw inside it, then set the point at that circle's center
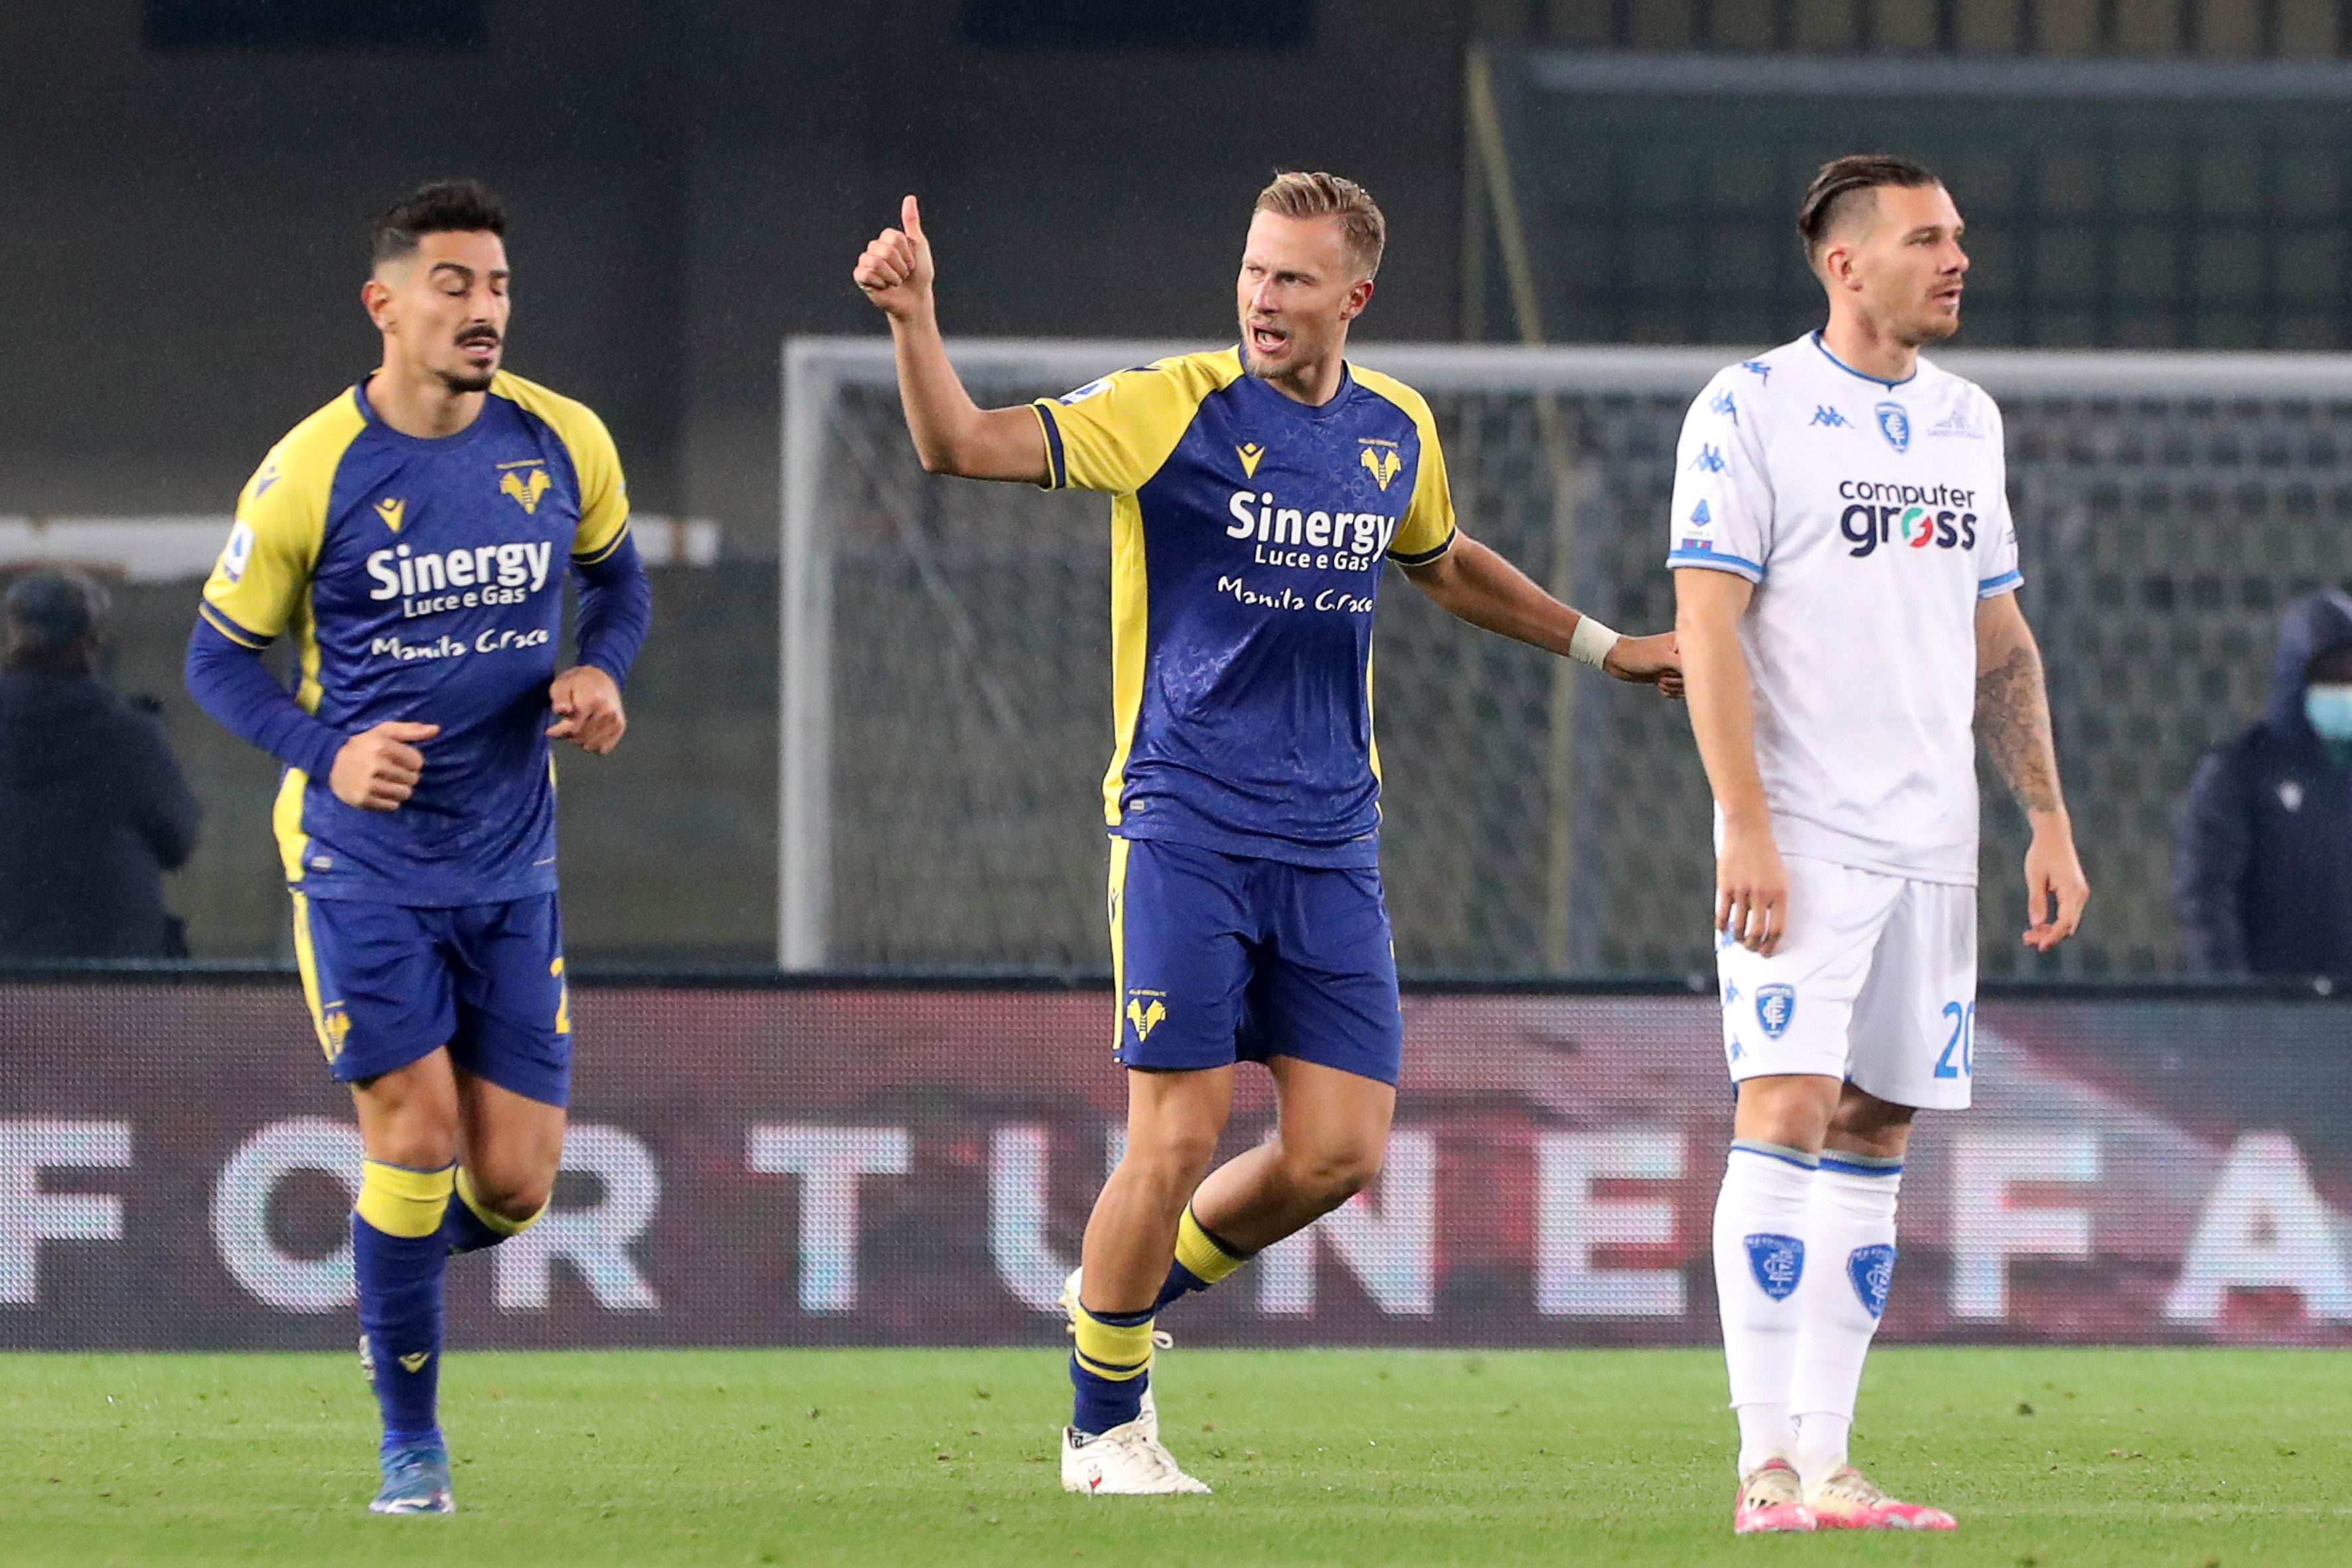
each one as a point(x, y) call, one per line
point(181, 211)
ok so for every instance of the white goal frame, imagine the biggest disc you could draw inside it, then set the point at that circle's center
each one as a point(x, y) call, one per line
point(815, 369)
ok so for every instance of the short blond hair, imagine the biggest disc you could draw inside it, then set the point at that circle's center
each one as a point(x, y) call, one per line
point(1363, 232)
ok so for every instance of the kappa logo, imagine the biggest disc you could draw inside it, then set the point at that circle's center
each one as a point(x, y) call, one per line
point(1146, 1019)
point(1724, 405)
point(392, 510)
point(1249, 452)
point(1872, 1270)
point(1776, 1008)
point(1824, 415)
point(415, 1361)
point(1776, 1261)
point(1759, 369)
point(1708, 461)
point(526, 482)
point(1381, 459)
point(1895, 423)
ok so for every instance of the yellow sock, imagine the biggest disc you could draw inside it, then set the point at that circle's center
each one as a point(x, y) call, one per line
point(399, 1201)
point(1202, 1253)
point(1117, 1350)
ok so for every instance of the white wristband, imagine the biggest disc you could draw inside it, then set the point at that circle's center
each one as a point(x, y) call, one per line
point(1591, 641)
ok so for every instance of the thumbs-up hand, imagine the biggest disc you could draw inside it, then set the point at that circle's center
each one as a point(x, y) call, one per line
point(895, 271)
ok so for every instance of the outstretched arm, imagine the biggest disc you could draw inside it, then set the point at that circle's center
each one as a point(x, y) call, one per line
point(2013, 718)
point(1751, 885)
point(1473, 582)
point(953, 434)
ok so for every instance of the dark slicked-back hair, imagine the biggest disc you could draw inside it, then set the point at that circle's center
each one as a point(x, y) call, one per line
point(1844, 181)
point(444, 207)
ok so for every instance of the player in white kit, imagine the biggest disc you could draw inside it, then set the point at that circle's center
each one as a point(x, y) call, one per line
point(1845, 576)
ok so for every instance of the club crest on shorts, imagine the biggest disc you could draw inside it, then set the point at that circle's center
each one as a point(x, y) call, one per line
point(1776, 1008)
point(1778, 1262)
point(1895, 423)
point(1872, 1269)
point(1146, 1010)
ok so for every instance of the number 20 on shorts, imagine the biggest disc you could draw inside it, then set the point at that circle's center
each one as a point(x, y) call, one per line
point(1963, 1043)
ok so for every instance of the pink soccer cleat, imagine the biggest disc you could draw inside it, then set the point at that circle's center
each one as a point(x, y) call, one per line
point(1848, 1500)
point(1770, 1501)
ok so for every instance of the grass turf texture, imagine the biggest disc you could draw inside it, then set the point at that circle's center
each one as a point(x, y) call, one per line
point(2051, 1458)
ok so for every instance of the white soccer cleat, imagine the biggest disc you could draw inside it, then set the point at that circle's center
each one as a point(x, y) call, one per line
point(1848, 1500)
point(1770, 1502)
point(1126, 1461)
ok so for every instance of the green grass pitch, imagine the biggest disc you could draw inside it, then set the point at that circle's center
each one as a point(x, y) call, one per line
point(2051, 1458)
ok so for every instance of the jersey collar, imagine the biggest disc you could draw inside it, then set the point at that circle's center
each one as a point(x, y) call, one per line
point(1295, 408)
point(438, 443)
point(1861, 374)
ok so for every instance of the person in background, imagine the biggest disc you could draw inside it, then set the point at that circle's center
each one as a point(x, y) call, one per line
point(93, 807)
point(2263, 880)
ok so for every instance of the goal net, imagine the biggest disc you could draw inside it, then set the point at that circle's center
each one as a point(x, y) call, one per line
point(946, 683)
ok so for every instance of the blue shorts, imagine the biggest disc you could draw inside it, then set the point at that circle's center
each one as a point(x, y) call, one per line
point(391, 983)
point(1223, 958)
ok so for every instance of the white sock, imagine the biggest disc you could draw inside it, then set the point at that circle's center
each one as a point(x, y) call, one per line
point(1850, 1244)
point(1760, 1262)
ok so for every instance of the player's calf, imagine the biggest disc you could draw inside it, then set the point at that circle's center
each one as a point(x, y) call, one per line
point(399, 1258)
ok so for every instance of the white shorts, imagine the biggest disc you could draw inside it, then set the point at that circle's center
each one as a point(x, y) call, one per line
point(1876, 983)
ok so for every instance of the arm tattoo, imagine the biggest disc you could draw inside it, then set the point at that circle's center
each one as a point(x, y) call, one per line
point(2013, 716)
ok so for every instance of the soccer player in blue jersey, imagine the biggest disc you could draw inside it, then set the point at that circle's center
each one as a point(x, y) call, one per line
point(1258, 489)
point(411, 538)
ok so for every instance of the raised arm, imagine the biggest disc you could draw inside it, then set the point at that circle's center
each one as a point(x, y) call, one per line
point(1475, 584)
point(1751, 886)
point(2013, 718)
point(953, 434)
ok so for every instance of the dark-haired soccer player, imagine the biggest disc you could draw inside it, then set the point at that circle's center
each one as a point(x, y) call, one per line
point(1845, 578)
point(1259, 490)
point(412, 538)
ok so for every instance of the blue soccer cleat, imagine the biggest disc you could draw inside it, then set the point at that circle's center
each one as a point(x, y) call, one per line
point(415, 1481)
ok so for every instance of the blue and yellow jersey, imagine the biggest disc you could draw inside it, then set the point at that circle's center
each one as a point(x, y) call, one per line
point(423, 580)
point(1247, 541)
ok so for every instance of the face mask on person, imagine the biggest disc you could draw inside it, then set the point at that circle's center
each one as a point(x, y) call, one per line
point(2329, 708)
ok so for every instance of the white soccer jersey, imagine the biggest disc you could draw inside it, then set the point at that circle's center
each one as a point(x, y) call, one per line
point(1872, 516)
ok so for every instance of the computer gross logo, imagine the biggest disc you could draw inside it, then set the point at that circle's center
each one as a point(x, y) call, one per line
point(1915, 516)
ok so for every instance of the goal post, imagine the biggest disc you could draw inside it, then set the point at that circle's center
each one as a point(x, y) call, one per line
point(944, 678)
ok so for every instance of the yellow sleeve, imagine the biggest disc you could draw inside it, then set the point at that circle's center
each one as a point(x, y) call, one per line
point(603, 491)
point(1113, 434)
point(1428, 529)
point(264, 570)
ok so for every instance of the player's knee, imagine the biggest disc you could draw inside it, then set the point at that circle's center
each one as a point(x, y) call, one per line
point(1869, 1125)
point(1175, 1157)
point(415, 1142)
point(1334, 1174)
point(516, 1199)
